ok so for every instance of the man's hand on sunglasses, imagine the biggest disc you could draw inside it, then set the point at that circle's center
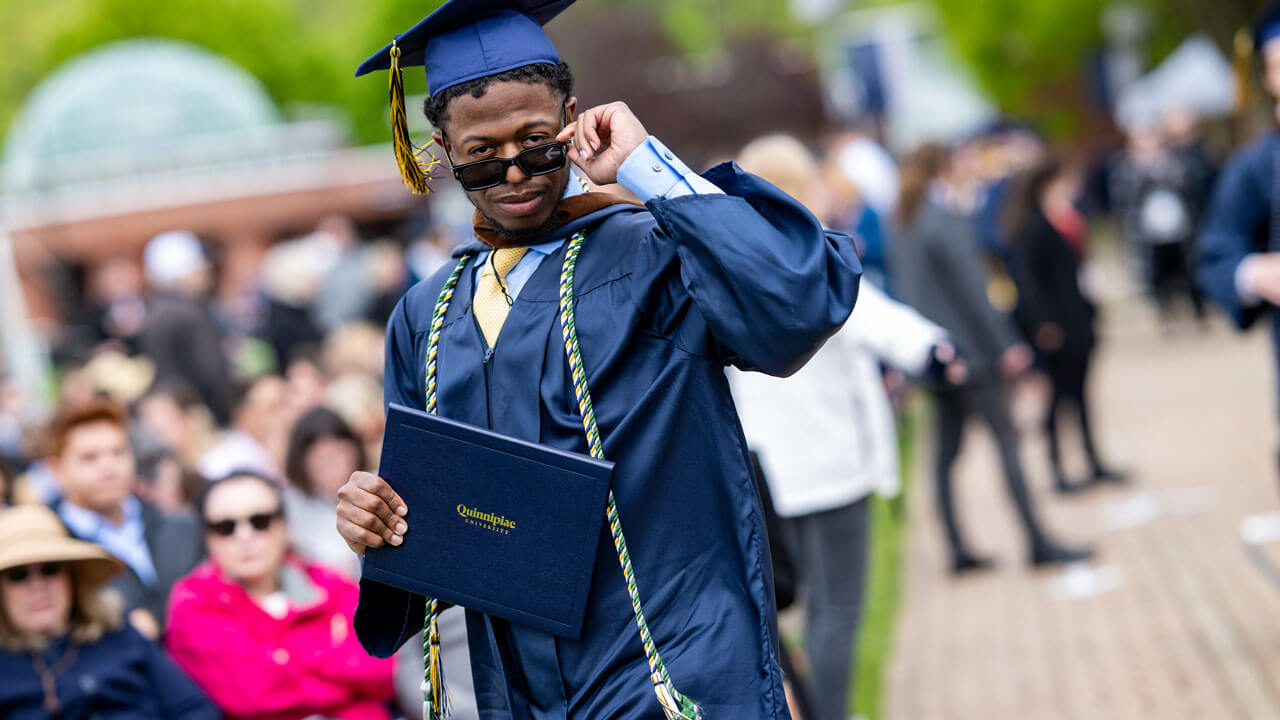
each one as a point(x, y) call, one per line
point(602, 138)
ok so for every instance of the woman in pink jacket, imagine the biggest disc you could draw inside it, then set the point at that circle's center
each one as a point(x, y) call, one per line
point(263, 633)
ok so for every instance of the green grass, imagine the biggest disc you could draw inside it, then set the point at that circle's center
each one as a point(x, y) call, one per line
point(884, 581)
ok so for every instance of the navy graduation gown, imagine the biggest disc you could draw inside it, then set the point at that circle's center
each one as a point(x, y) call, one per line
point(1238, 222)
point(666, 296)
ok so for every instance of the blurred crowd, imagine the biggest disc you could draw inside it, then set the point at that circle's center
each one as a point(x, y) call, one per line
point(200, 441)
point(192, 464)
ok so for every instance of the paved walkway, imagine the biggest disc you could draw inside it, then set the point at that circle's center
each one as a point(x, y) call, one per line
point(1171, 621)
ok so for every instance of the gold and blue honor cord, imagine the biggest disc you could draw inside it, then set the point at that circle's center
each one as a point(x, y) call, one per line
point(674, 705)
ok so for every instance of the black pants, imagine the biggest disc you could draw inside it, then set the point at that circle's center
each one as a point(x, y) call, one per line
point(833, 560)
point(1068, 371)
point(1170, 274)
point(991, 401)
point(785, 581)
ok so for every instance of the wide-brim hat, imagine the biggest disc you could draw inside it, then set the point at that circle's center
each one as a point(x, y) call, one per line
point(33, 534)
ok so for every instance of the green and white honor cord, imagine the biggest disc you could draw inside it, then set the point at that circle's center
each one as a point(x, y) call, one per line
point(436, 702)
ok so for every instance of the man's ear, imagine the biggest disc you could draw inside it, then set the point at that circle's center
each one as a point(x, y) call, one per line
point(571, 107)
point(439, 139)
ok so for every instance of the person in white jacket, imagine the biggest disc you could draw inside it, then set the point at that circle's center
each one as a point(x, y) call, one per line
point(825, 438)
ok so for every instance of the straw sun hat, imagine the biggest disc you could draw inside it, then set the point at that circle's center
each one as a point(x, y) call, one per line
point(33, 534)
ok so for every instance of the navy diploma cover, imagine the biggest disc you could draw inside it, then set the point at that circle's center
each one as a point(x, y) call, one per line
point(502, 526)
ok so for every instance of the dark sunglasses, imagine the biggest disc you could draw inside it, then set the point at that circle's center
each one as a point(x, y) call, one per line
point(258, 521)
point(534, 161)
point(21, 573)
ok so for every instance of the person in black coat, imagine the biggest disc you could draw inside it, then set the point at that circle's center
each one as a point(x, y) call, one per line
point(937, 265)
point(1053, 312)
point(182, 334)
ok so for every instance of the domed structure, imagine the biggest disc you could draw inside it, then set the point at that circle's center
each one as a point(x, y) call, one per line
point(134, 106)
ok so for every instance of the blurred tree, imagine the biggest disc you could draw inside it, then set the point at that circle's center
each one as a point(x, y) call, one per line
point(303, 51)
point(705, 25)
point(1032, 55)
point(1017, 48)
point(1028, 53)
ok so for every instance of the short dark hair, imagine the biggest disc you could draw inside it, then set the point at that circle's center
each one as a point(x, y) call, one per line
point(316, 423)
point(558, 77)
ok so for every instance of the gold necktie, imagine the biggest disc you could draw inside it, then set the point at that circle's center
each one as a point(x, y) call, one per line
point(492, 301)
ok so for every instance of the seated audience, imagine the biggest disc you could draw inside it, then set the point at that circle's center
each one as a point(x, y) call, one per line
point(266, 634)
point(323, 452)
point(170, 415)
point(255, 440)
point(164, 483)
point(65, 651)
point(93, 464)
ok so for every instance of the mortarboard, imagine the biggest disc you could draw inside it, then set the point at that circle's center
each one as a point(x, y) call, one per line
point(1267, 26)
point(462, 40)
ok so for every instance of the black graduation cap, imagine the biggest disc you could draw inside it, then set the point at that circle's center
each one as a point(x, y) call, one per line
point(462, 40)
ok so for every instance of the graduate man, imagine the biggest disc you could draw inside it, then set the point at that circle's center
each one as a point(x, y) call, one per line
point(1239, 263)
point(713, 270)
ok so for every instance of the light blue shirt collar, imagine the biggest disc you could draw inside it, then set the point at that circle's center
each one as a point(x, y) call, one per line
point(127, 541)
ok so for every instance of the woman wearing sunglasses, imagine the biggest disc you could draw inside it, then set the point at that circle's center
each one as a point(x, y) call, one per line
point(265, 633)
point(65, 650)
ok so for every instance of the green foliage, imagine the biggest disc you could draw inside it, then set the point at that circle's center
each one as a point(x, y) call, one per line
point(303, 51)
point(1032, 55)
point(702, 26)
point(1029, 54)
point(1022, 51)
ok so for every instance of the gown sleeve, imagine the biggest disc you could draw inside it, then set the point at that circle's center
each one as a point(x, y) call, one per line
point(386, 617)
point(771, 284)
point(1239, 208)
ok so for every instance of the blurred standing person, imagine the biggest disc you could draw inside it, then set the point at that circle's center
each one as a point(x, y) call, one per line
point(340, 301)
point(1239, 265)
point(851, 213)
point(1049, 243)
point(938, 266)
point(291, 274)
point(119, 311)
point(1153, 193)
point(1184, 135)
point(871, 170)
point(65, 651)
point(181, 334)
point(825, 441)
point(264, 633)
point(90, 456)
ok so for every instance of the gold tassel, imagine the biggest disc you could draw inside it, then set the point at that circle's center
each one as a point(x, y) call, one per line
point(1243, 61)
point(437, 702)
point(415, 173)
